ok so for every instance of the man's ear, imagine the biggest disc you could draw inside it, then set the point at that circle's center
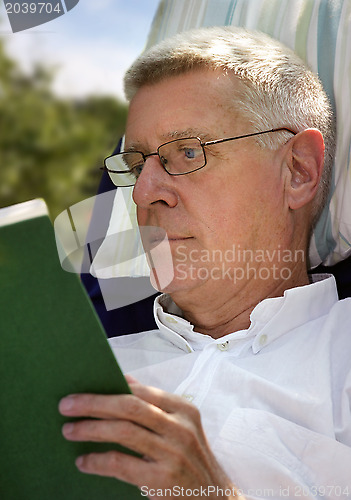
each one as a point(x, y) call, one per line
point(305, 159)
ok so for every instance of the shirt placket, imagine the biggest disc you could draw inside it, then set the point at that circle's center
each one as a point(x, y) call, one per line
point(196, 386)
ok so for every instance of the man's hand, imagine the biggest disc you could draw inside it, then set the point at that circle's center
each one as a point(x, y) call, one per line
point(163, 428)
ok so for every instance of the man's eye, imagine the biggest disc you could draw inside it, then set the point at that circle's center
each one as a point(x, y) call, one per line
point(190, 153)
point(136, 170)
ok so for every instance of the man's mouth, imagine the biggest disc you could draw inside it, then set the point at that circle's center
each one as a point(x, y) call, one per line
point(153, 236)
point(178, 238)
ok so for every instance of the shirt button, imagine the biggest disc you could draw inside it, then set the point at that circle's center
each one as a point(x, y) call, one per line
point(188, 397)
point(263, 340)
point(223, 346)
point(171, 320)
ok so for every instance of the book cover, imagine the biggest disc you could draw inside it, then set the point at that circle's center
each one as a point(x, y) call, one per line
point(52, 344)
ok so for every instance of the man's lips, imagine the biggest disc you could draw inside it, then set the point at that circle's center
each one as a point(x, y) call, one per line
point(153, 235)
point(167, 240)
point(178, 238)
point(170, 239)
point(155, 239)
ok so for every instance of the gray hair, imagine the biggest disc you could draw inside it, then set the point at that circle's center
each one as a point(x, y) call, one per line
point(277, 88)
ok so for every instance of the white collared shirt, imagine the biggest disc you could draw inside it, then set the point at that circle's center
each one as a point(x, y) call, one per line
point(274, 399)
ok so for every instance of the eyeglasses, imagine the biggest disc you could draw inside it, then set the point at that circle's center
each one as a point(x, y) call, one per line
point(178, 157)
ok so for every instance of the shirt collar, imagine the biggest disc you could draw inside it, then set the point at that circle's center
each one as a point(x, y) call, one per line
point(270, 319)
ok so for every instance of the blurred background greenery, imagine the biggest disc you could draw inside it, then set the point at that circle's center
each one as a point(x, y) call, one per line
point(51, 147)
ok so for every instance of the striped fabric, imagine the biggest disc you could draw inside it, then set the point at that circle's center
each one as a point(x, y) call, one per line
point(320, 32)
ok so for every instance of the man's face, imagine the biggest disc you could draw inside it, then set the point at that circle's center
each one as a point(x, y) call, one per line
point(234, 203)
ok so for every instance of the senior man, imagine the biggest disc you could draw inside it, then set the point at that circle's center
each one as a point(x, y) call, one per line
point(248, 376)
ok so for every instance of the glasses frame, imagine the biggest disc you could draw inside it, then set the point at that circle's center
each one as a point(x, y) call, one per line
point(203, 145)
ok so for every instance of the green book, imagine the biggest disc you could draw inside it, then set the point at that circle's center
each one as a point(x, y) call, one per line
point(52, 345)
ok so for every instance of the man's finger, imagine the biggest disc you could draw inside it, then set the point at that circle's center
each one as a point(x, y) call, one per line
point(134, 437)
point(122, 407)
point(121, 466)
point(125, 406)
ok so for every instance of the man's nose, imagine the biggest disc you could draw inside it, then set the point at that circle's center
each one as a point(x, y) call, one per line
point(154, 184)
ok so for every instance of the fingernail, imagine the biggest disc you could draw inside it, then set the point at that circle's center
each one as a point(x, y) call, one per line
point(66, 404)
point(67, 429)
point(79, 462)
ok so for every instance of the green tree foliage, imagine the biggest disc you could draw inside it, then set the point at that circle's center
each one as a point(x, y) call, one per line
point(50, 147)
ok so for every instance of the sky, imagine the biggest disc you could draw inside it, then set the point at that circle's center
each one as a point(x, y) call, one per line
point(90, 46)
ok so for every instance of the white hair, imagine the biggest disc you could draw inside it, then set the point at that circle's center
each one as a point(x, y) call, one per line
point(276, 88)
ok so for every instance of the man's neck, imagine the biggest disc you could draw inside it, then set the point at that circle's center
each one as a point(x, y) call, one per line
point(218, 311)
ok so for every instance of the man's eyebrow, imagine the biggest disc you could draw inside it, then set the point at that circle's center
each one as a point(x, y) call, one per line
point(169, 136)
point(133, 147)
point(190, 132)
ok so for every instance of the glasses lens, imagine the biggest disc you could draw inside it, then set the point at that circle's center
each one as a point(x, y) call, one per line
point(182, 156)
point(125, 168)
